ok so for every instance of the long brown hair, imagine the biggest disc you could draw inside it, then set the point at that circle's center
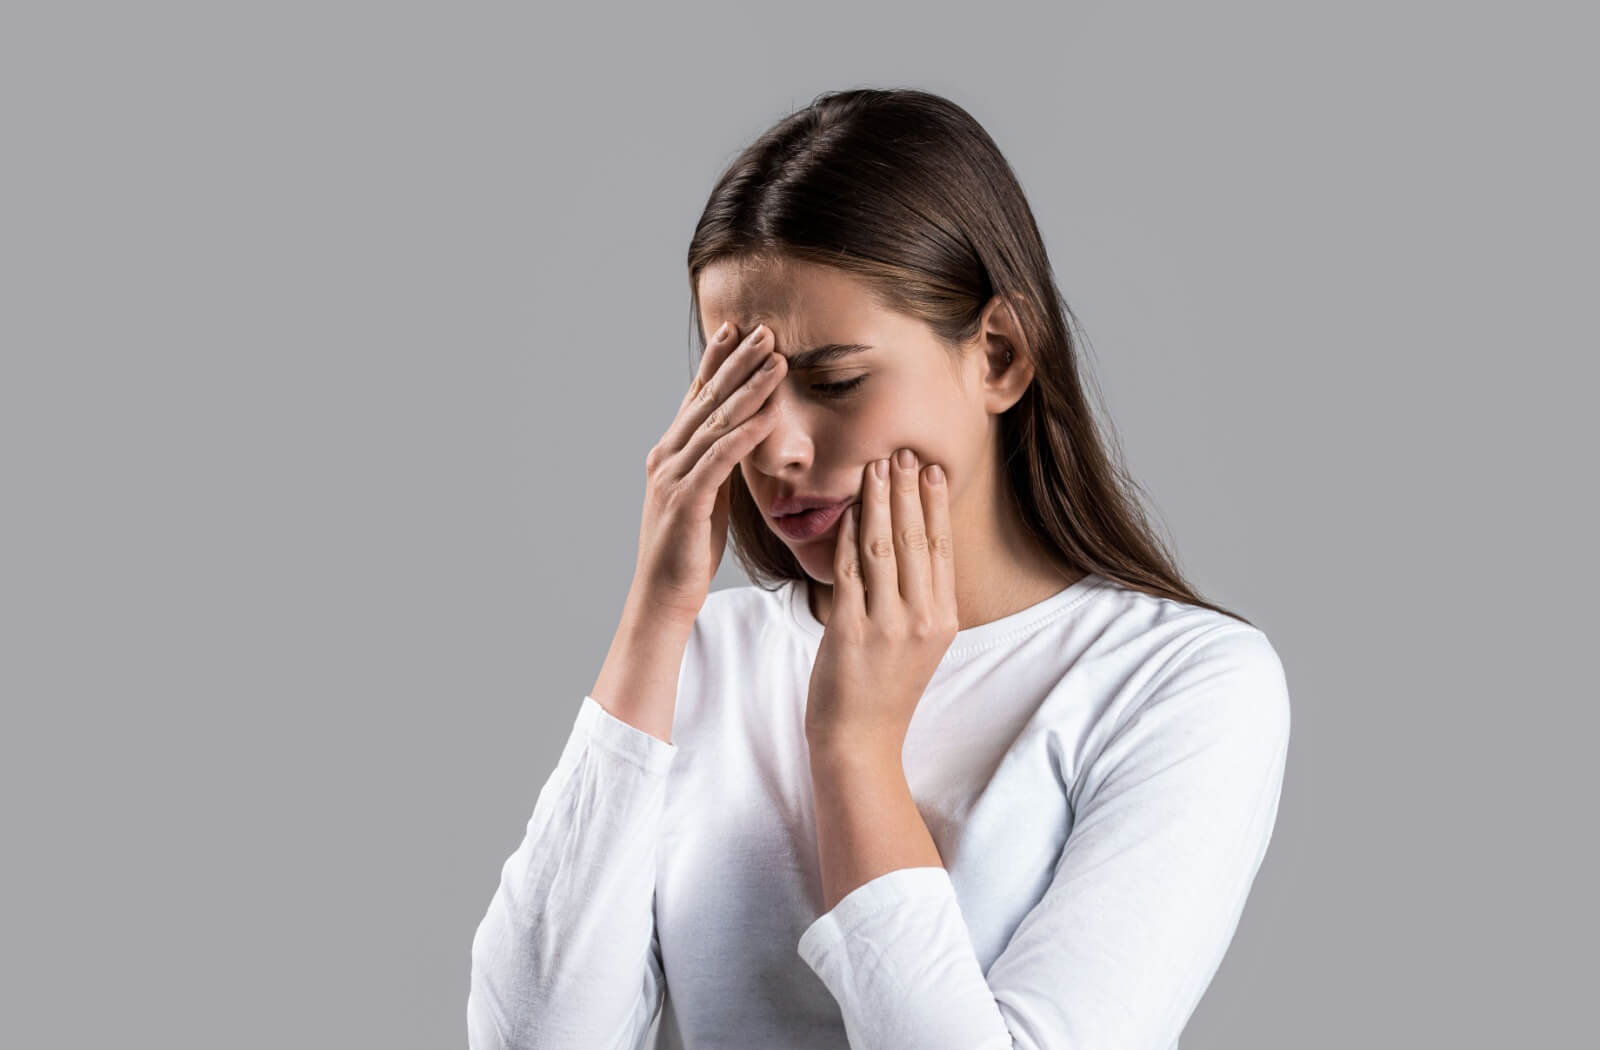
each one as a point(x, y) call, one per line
point(905, 190)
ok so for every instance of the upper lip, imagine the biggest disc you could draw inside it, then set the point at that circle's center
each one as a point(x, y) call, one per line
point(795, 504)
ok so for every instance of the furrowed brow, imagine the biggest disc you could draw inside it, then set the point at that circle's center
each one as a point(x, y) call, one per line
point(824, 354)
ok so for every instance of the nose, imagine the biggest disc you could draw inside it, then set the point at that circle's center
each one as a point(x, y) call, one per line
point(787, 445)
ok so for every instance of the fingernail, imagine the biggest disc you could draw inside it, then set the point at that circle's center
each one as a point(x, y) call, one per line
point(756, 333)
point(881, 468)
point(935, 475)
point(722, 333)
point(905, 458)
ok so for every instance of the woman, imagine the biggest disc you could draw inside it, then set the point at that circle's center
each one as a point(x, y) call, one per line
point(970, 765)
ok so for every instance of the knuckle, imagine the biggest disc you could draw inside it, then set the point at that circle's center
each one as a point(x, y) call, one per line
point(881, 547)
point(942, 546)
point(852, 569)
point(914, 538)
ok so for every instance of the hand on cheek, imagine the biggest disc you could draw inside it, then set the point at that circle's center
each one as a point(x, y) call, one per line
point(893, 613)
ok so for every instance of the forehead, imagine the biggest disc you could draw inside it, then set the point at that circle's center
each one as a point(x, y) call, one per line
point(739, 289)
point(795, 298)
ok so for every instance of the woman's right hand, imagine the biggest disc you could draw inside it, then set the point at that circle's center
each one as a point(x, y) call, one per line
point(725, 413)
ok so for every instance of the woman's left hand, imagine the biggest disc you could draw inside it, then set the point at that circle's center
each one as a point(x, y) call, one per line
point(893, 614)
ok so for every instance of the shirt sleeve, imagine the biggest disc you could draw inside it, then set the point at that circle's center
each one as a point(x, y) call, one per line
point(1172, 821)
point(568, 954)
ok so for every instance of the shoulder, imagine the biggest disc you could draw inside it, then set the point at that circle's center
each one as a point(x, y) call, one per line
point(1188, 665)
point(1201, 711)
point(1226, 688)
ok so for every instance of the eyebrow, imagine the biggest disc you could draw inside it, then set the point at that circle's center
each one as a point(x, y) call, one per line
point(827, 353)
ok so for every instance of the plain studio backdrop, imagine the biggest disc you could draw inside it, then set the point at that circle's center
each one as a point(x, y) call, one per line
point(335, 336)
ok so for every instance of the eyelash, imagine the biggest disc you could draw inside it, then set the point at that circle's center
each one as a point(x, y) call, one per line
point(838, 389)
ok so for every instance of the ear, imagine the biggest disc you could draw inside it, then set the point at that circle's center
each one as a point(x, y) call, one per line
point(1007, 361)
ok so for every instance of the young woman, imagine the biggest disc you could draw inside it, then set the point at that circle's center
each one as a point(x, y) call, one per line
point(970, 765)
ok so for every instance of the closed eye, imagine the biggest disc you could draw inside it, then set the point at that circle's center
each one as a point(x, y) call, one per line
point(838, 389)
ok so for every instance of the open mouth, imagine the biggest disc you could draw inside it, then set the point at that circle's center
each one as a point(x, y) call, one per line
point(809, 524)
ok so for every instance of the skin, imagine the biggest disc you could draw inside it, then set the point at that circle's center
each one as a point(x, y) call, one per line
point(914, 397)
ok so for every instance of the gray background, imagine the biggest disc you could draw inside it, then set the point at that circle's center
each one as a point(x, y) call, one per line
point(335, 336)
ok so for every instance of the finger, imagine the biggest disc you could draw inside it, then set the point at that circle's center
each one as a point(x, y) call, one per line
point(752, 396)
point(941, 547)
point(910, 534)
point(723, 369)
point(849, 597)
point(877, 545)
point(722, 343)
point(714, 463)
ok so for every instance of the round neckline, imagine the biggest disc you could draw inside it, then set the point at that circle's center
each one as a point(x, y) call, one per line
point(972, 640)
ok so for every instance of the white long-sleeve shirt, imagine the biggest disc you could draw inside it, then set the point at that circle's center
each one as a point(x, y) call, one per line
point(1100, 773)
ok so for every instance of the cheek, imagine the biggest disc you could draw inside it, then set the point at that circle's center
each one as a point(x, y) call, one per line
point(934, 432)
point(936, 437)
point(886, 417)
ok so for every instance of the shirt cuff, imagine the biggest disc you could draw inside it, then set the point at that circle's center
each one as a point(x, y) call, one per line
point(865, 908)
point(610, 733)
point(897, 957)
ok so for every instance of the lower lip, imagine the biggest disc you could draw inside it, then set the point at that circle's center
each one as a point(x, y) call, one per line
point(809, 524)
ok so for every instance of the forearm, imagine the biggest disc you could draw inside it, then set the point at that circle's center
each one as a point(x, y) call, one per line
point(638, 683)
point(867, 821)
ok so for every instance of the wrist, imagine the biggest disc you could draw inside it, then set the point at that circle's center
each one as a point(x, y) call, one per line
point(843, 750)
point(644, 613)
